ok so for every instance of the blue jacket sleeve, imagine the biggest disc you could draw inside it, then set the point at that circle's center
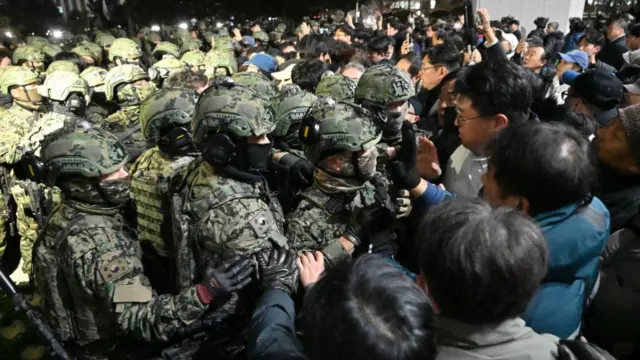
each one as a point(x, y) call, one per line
point(432, 196)
point(271, 333)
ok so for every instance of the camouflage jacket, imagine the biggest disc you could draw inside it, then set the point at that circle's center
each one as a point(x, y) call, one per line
point(14, 125)
point(88, 271)
point(125, 124)
point(232, 218)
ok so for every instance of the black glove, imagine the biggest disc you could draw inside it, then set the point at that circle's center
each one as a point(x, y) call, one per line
point(403, 168)
point(299, 172)
point(579, 350)
point(278, 270)
point(228, 278)
point(366, 221)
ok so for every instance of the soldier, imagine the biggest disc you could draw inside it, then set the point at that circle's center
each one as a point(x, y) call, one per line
point(166, 49)
point(87, 265)
point(220, 63)
point(62, 65)
point(291, 107)
point(195, 60)
point(342, 208)
point(86, 54)
point(30, 57)
point(167, 67)
point(128, 86)
point(125, 51)
point(224, 207)
point(258, 83)
point(165, 118)
point(98, 108)
point(339, 87)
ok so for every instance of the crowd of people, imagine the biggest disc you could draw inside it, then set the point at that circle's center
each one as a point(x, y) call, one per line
point(387, 189)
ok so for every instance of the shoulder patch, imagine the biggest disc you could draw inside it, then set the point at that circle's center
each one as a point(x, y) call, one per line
point(113, 266)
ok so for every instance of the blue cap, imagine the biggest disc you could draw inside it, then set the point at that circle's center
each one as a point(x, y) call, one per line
point(577, 57)
point(264, 62)
point(248, 40)
point(569, 77)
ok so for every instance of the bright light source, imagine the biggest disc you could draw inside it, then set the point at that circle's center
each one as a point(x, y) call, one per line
point(418, 12)
point(219, 25)
point(57, 34)
point(183, 26)
point(8, 34)
point(155, 27)
point(194, 20)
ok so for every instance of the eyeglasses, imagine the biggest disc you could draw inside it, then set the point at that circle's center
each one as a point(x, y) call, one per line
point(461, 120)
point(425, 68)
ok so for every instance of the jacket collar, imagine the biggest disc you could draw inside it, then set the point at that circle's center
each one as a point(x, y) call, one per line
point(550, 218)
point(457, 334)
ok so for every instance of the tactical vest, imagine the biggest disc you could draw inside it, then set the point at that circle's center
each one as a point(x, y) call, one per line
point(70, 320)
point(150, 177)
point(187, 210)
point(125, 124)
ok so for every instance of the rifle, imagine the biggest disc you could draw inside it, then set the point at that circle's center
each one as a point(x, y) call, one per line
point(36, 196)
point(36, 318)
point(470, 24)
point(7, 212)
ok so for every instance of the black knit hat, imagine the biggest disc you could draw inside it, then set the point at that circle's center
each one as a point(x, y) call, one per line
point(630, 118)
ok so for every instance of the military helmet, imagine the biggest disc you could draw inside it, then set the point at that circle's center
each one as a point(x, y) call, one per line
point(94, 76)
point(339, 87)
point(222, 42)
point(60, 84)
point(340, 127)
point(167, 47)
point(37, 42)
point(17, 76)
point(104, 39)
point(281, 28)
point(52, 50)
point(258, 83)
point(190, 44)
point(291, 107)
point(122, 74)
point(95, 49)
point(215, 60)
point(153, 37)
point(170, 66)
point(383, 84)
point(124, 48)
point(28, 53)
point(62, 65)
point(88, 153)
point(166, 107)
point(262, 36)
point(193, 58)
point(83, 50)
point(232, 108)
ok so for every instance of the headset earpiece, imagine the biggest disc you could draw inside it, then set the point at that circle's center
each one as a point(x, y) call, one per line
point(309, 132)
point(218, 149)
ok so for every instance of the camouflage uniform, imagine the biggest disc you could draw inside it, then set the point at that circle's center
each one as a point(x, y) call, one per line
point(166, 112)
point(18, 339)
point(195, 59)
point(87, 266)
point(339, 87)
point(166, 48)
point(62, 65)
point(258, 83)
point(220, 63)
point(126, 51)
point(222, 209)
point(168, 67)
point(324, 210)
point(31, 57)
point(95, 76)
point(291, 107)
point(125, 123)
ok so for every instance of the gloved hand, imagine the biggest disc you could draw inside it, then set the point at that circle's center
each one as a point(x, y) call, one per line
point(403, 204)
point(278, 270)
point(403, 169)
point(226, 279)
point(366, 221)
point(581, 350)
point(299, 171)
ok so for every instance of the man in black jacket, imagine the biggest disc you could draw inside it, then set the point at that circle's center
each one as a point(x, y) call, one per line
point(612, 52)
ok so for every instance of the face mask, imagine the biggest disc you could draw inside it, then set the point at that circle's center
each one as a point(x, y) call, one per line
point(255, 158)
point(395, 119)
point(116, 192)
point(457, 26)
point(367, 164)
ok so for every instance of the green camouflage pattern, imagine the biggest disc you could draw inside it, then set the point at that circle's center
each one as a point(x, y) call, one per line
point(232, 109)
point(94, 76)
point(165, 108)
point(62, 65)
point(343, 127)
point(52, 50)
point(60, 84)
point(275, 36)
point(226, 218)
point(258, 83)
point(28, 53)
point(281, 27)
point(37, 42)
point(383, 84)
point(261, 36)
point(88, 250)
point(123, 74)
point(154, 37)
point(194, 58)
point(125, 49)
point(339, 87)
point(223, 43)
point(84, 51)
point(17, 76)
point(95, 49)
point(291, 107)
point(217, 59)
point(18, 338)
point(171, 66)
point(150, 180)
point(167, 47)
point(123, 121)
point(190, 44)
point(104, 39)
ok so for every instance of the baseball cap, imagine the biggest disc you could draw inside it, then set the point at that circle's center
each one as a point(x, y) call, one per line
point(264, 62)
point(577, 57)
point(248, 41)
point(630, 119)
point(633, 88)
point(598, 88)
